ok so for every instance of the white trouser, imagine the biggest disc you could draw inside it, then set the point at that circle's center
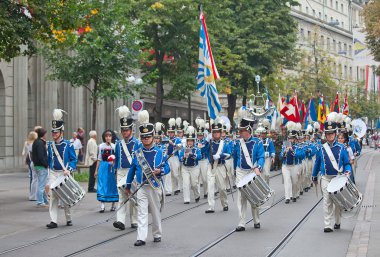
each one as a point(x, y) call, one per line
point(266, 169)
point(230, 173)
point(203, 165)
point(290, 175)
point(122, 212)
point(190, 179)
point(242, 202)
point(216, 175)
point(299, 170)
point(329, 208)
point(309, 170)
point(148, 198)
point(53, 206)
point(172, 180)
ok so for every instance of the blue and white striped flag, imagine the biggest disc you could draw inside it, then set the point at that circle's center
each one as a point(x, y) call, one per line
point(207, 72)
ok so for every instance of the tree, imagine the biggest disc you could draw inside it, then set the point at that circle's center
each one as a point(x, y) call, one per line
point(254, 37)
point(23, 23)
point(372, 27)
point(104, 52)
point(168, 36)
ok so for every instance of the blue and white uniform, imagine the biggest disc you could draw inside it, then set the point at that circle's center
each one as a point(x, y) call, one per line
point(67, 154)
point(270, 153)
point(230, 164)
point(310, 151)
point(123, 162)
point(190, 172)
point(324, 167)
point(204, 163)
point(243, 167)
point(147, 196)
point(173, 180)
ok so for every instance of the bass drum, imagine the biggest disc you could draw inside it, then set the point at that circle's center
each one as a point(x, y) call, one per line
point(255, 189)
point(344, 193)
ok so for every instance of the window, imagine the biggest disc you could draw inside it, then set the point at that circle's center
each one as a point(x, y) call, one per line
point(302, 33)
point(341, 8)
point(331, 19)
point(345, 71)
point(322, 41)
point(308, 35)
point(339, 47)
point(334, 68)
point(350, 74)
point(350, 50)
point(336, 5)
point(320, 15)
point(325, 17)
point(345, 47)
point(313, 13)
point(328, 43)
point(334, 45)
point(307, 10)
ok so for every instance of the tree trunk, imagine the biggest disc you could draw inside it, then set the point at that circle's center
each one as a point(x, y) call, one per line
point(94, 105)
point(189, 109)
point(159, 99)
point(244, 102)
point(231, 108)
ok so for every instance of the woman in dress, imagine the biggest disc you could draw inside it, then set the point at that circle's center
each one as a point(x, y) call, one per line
point(107, 186)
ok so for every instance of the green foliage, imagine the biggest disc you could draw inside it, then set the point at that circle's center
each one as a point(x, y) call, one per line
point(81, 177)
point(372, 27)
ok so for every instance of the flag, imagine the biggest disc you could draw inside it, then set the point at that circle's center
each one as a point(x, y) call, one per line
point(290, 110)
point(327, 109)
point(336, 107)
point(285, 101)
point(321, 112)
point(303, 112)
point(345, 105)
point(312, 112)
point(207, 72)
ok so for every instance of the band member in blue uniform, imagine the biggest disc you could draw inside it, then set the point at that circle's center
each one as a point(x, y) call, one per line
point(290, 156)
point(62, 161)
point(105, 172)
point(270, 152)
point(124, 152)
point(160, 140)
point(148, 160)
point(332, 159)
point(189, 157)
point(217, 155)
point(249, 156)
point(204, 147)
point(310, 152)
point(230, 181)
point(172, 180)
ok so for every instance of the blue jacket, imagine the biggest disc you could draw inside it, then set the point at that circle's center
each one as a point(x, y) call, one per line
point(323, 165)
point(311, 150)
point(193, 158)
point(121, 160)
point(355, 146)
point(67, 153)
point(256, 152)
point(205, 149)
point(269, 147)
point(213, 149)
point(293, 156)
point(170, 148)
point(154, 156)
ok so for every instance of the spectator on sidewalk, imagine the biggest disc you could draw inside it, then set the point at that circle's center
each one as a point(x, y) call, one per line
point(40, 160)
point(76, 143)
point(80, 136)
point(91, 159)
point(26, 153)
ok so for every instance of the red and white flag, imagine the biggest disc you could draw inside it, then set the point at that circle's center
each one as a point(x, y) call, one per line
point(290, 110)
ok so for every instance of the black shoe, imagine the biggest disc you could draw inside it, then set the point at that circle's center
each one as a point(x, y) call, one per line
point(337, 226)
point(301, 193)
point(306, 189)
point(225, 208)
point(239, 229)
point(186, 202)
point(197, 199)
point(205, 196)
point(157, 239)
point(256, 225)
point(294, 200)
point(209, 211)
point(177, 192)
point(113, 208)
point(134, 225)
point(287, 201)
point(101, 211)
point(52, 225)
point(139, 243)
point(228, 190)
point(234, 187)
point(91, 191)
point(69, 223)
point(327, 230)
point(168, 194)
point(119, 225)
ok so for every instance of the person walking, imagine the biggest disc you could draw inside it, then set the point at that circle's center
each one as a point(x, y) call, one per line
point(91, 160)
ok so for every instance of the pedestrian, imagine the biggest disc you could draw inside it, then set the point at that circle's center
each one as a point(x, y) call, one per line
point(26, 153)
point(76, 143)
point(40, 160)
point(80, 136)
point(105, 172)
point(91, 160)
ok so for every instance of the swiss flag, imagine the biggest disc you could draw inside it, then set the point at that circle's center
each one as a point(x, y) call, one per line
point(290, 111)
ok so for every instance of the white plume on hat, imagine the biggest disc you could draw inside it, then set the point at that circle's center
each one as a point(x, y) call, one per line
point(171, 122)
point(185, 125)
point(290, 125)
point(266, 123)
point(348, 120)
point(190, 130)
point(143, 117)
point(58, 114)
point(309, 128)
point(260, 128)
point(218, 120)
point(178, 121)
point(158, 126)
point(316, 125)
point(207, 125)
point(333, 116)
point(123, 111)
point(298, 126)
point(340, 118)
point(200, 122)
point(228, 126)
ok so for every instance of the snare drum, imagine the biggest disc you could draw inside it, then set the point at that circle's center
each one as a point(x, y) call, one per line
point(344, 193)
point(121, 185)
point(255, 189)
point(68, 190)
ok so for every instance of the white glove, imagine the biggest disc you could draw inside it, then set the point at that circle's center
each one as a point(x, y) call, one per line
point(266, 154)
point(216, 156)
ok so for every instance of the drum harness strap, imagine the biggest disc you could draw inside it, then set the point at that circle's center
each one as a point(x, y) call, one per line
point(245, 152)
point(332, 158)
point(125, 149)
point(59, 156)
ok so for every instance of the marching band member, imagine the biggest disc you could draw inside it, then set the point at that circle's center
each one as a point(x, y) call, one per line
point(229, 162)
point(173, 178)
point(332, 158)
point(249, 151)
point(217, 155)
point(302, 164)
point(299, 161)
point(124, 151)
point(62, 161)
point(204, 147)
point(310, 152)
point(148, 197)
point(189, 157)
point(270, 153)
point(290, 154)
point(354, 144)
point(159, 135)
point(105, 172)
